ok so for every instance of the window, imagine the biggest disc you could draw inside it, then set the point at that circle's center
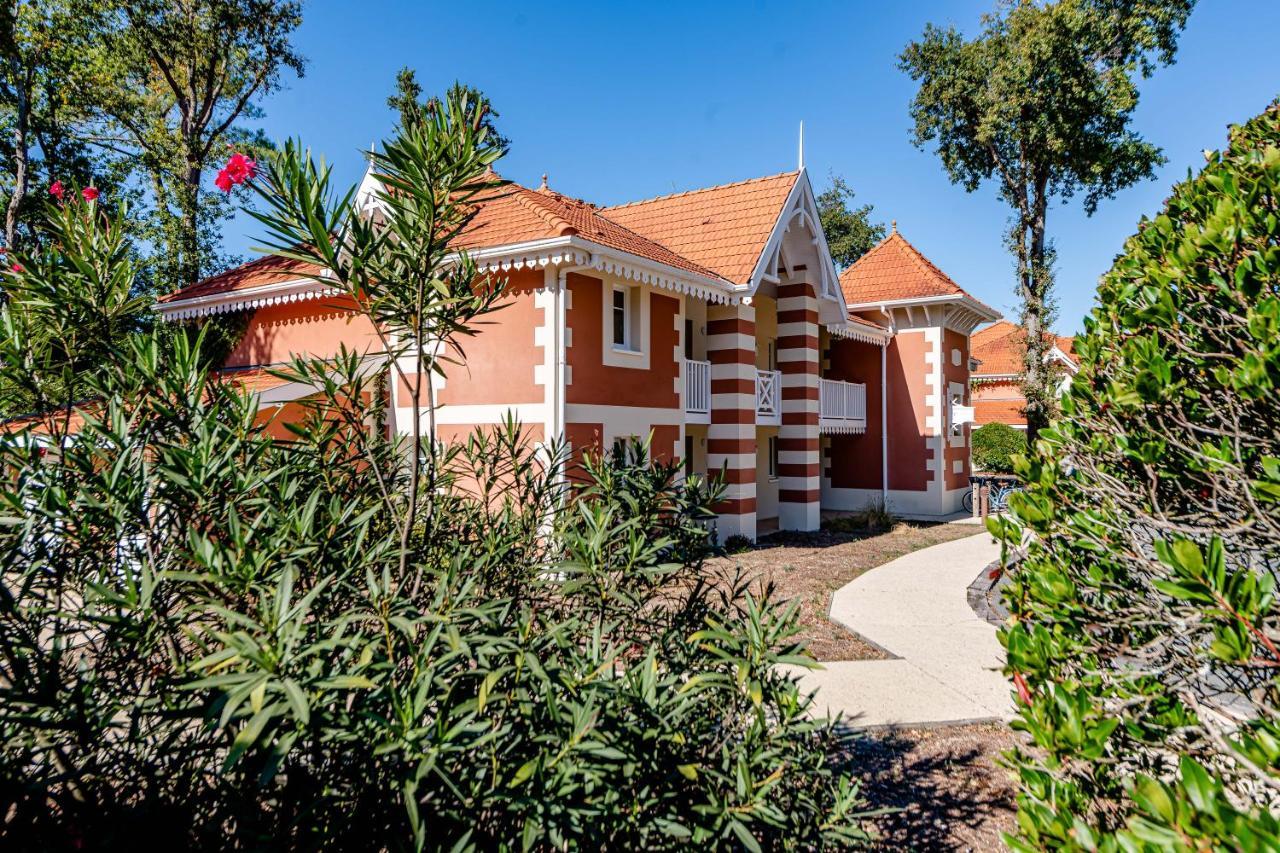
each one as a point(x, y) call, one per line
point(688, 455)
point(621, 318)
point(624, 335)
point(773, 457)
point(688, 339)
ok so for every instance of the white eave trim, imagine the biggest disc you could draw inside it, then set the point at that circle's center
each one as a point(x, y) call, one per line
point(859, 332)
point(981, 308)
point(280, 293)
point(579, 251)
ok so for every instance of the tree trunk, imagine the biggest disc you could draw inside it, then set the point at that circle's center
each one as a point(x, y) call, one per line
point(189, 263)
point(1036, 279)
point(22, 121)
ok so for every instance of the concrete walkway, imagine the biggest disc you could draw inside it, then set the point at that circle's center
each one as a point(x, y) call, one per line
point(946, 660)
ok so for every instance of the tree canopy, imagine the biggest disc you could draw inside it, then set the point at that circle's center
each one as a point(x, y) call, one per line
point(849, 230)
point(1040, 103)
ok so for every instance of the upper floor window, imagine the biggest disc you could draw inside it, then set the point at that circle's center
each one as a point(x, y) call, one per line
point(625, 317)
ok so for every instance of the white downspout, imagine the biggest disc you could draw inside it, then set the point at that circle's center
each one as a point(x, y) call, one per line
point(558, 408)
point(884, 425)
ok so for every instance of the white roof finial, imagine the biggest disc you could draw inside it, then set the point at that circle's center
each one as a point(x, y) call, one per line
point(801, 145)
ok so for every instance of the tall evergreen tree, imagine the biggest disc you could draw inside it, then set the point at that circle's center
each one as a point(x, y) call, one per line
point(1040, 103)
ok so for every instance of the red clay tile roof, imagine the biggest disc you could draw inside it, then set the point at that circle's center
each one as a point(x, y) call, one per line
point(863, 321)
point(517, 214)
point(722, 228)
point(999, 411)
point(1001, 346)
point(895, 269)
point(258, 273)
point(514, 214)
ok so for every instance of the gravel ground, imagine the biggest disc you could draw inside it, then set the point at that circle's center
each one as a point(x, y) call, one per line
point(811, 566)
point(950, 793)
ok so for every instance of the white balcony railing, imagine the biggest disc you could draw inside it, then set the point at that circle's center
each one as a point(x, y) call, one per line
point(769, 397)
point(842, 406)
point(697, 389)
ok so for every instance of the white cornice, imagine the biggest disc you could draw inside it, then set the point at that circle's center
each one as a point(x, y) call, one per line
point(977, 306)
point(859, 332)
point(278, 293)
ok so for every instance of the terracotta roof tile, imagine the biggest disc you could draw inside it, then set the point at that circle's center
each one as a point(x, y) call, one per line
point(517, 214)
point(895, 269)
point(999, 411)
point(1001, 347)
point(270, 269)
point(722, 228)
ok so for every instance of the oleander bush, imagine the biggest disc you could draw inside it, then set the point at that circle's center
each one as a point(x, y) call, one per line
point(994, 447)
point(210, 639)
point(1144, 643)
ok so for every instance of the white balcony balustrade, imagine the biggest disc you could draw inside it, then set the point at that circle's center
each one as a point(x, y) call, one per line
point(768, 397)
point(697, 391)
point(842, 407)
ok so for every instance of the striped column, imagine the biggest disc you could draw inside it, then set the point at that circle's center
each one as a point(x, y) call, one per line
point(799, 461)
point(731, 437)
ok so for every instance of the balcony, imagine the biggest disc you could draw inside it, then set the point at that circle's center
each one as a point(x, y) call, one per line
point(697, 391)
point(697, 394)
point(842, 407)
point(768, 397)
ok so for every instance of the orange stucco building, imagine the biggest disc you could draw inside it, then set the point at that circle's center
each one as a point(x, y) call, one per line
point(712, 320)
point(998, 353)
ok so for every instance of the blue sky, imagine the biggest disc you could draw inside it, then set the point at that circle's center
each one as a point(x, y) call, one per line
point(618, 102)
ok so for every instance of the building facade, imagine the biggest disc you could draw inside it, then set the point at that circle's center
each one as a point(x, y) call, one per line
point(998, 353)
point(712, 321)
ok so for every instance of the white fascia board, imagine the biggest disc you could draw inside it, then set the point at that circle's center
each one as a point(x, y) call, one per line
point(294, 290)
point(981, 308)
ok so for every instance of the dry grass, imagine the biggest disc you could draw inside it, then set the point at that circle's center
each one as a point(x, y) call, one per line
point(949, 792)
point(811, 566)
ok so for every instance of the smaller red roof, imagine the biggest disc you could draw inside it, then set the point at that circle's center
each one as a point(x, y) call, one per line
point(270, 269)
point(894, 269)
point(1001, 347)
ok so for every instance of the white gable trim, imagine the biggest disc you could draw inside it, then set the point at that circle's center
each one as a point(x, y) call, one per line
point(802, 206)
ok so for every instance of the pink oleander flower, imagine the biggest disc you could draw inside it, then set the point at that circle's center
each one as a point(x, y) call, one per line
point(57, 190)
point(240, 168)
point(16, 267)
point(89, 193)
point(223, 181)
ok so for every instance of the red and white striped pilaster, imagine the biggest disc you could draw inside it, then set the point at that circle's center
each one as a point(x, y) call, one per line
point(799, 460)
point(731, 437)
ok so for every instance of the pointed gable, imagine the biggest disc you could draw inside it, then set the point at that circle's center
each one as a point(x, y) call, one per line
point(894, 269)
point(722, 228)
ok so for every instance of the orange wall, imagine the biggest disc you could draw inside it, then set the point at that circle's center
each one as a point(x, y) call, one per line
point(855, 459)
point(908, 449)
point(598, 383)
point(498, 362)
point(313, 328)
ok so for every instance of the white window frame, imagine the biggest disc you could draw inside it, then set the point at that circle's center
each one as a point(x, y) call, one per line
point(635, 352)
point(771, 453)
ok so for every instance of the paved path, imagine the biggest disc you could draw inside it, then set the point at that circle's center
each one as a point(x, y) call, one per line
point(946, 660)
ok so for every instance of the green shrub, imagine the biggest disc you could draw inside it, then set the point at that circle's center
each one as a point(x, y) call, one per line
point(213, 640)
point(1145, 629)
point(994, 445)
point(873, 518)
point(737, 544)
